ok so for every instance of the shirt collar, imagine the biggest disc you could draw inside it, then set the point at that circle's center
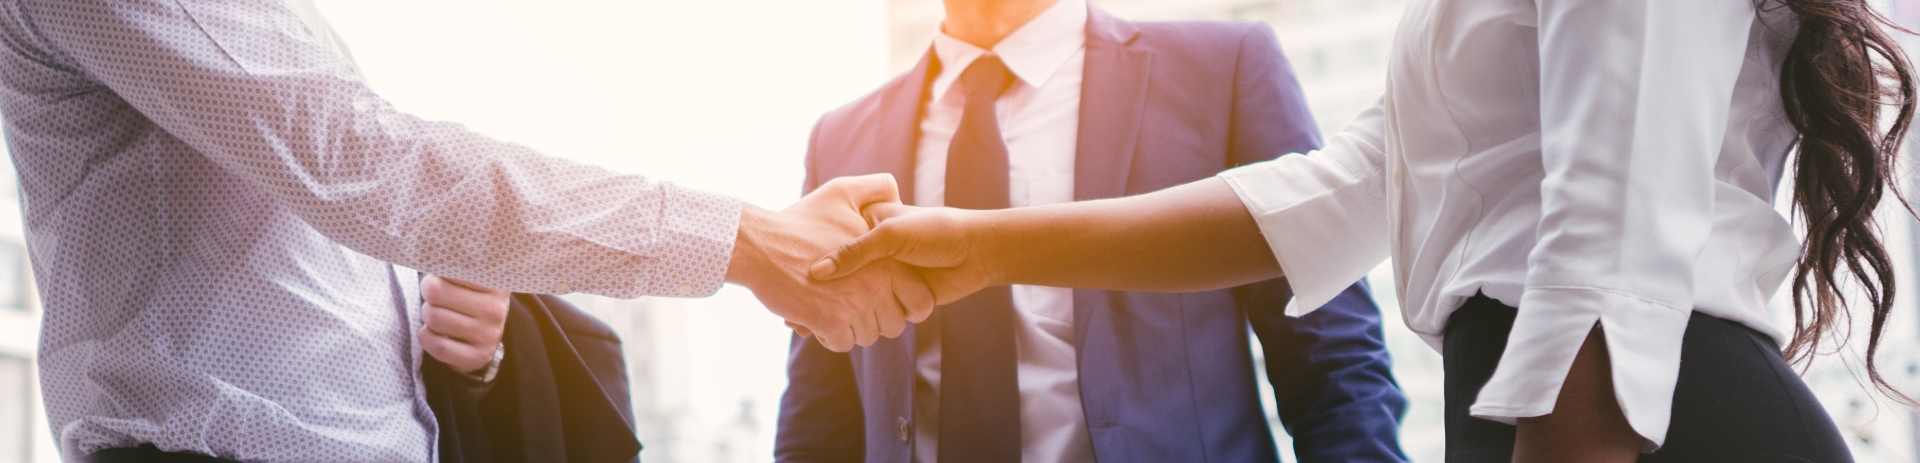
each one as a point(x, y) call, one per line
point(1034, 52)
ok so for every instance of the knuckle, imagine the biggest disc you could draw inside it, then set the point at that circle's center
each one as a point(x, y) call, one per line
point(846, 251)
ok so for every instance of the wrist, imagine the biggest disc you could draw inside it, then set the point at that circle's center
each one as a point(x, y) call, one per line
point(486, 373)
point(994, 249)
point(749, 251)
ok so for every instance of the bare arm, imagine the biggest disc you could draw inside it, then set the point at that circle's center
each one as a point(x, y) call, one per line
point(1191, 237)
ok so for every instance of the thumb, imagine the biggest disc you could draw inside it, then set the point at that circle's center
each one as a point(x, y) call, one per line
point(875, 245)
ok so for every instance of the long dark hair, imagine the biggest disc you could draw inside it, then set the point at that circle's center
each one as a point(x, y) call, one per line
point(1842, 71)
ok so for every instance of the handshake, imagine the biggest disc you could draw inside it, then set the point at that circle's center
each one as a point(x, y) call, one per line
point(822, 265)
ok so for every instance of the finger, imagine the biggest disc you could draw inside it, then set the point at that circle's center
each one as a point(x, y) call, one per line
point(911, 291)
point(853, 256)
point(866, 327)
point(461, 356)
point(800, 330)
point(488, 305)
point(838, 340)
point(459, 326)
point(889, 316)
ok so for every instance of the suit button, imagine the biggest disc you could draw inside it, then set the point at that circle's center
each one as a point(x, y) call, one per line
point(904, 429)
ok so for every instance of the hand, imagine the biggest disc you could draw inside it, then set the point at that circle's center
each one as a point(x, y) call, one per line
point(464, 322)
point(944, 243)
point(774, 250)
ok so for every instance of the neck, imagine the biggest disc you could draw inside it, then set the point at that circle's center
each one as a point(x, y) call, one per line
point(984, 23)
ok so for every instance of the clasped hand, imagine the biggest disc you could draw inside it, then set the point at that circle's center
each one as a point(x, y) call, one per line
point(774, 251)
point(943, 246)
point(849, 263)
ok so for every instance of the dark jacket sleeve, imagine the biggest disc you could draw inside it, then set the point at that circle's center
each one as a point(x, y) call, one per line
point(1331, 375)
point(821, 419)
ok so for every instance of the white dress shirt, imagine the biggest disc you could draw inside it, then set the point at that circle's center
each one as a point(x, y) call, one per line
point(1040, 120)
point(215, 201)
point(1586, 161)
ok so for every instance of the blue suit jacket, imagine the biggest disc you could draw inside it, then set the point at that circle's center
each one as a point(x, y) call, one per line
point(1163, 377)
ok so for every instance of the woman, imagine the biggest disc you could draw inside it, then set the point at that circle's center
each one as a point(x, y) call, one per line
point(1605, 166)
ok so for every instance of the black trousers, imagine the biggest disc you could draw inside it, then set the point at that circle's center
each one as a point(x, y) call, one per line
point(1737, 400)
point(147, 453)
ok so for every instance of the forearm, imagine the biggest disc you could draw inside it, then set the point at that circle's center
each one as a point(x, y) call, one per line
point(1191, 237)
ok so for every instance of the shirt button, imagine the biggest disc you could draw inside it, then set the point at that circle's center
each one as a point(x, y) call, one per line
point(562, 288)
point(904, 428)
point(686, 289)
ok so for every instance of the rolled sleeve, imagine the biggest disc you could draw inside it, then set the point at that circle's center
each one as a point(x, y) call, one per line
point(1322, 213)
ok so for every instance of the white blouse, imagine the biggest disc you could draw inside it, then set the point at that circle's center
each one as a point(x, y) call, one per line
point(1609, 161)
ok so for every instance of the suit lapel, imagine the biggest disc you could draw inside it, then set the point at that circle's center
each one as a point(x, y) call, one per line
point(1113, 96)
point(899, 124)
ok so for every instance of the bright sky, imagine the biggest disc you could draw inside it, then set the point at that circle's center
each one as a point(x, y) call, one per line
point(715, 94)
point(720, 95)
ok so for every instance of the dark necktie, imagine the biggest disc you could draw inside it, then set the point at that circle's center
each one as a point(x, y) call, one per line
point(979, 385)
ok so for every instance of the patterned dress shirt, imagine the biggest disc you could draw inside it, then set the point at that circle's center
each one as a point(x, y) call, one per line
point(217, 207)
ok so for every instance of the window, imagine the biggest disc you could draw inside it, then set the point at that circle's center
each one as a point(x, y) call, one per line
point(16, 405)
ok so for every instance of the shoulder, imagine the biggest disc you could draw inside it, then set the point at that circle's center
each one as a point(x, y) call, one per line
point(852, 114)
point(1200, 36)
point(854, 138)
point(903, 89)
point(1206, 44)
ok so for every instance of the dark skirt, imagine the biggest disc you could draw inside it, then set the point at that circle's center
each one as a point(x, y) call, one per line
point(1736, 400)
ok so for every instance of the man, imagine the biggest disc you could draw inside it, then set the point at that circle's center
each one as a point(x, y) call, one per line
point(1029, 102)
point(224, 220)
